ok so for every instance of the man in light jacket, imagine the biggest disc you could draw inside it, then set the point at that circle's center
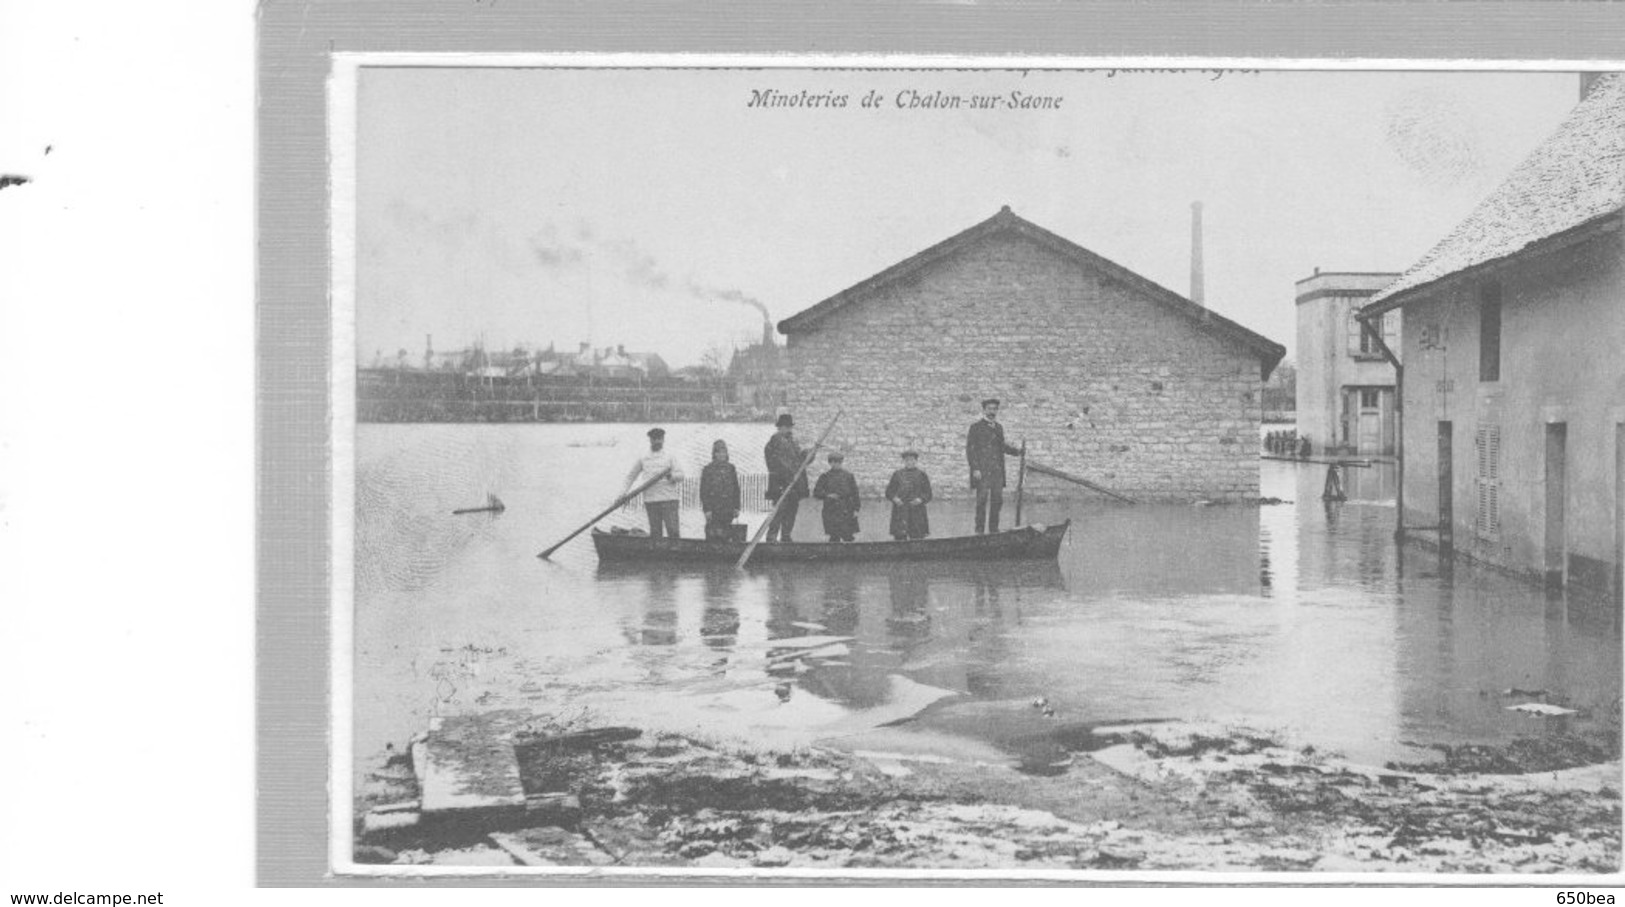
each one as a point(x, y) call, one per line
point(663, 498)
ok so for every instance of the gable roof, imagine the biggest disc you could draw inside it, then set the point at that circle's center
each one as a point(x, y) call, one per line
point(1006, 221)
point(1573, 182)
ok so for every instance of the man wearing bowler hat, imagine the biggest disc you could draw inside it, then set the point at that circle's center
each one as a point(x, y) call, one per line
point(663, 498)
point(784, 467)
point(985, 449)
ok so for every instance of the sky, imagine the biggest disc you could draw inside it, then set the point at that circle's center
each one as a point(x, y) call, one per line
point(662, 211)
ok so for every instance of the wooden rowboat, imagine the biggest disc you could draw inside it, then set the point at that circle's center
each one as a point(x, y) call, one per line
point(1034, 542)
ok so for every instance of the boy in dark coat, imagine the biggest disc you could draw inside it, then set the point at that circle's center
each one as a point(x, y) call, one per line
point(839, 492)
point(719, 492)
point(909, 491)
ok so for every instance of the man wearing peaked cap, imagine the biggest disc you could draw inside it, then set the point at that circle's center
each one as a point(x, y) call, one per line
point(662, 499)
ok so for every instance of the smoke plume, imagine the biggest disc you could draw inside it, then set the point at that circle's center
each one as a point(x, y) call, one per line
point(553, 251)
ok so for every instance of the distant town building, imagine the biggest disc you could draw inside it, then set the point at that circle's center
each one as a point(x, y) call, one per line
point(1513, 378)
point(1280, 394)
point(1345, 397)
point(613, 362)
point(1102, 372)
point(758, 374)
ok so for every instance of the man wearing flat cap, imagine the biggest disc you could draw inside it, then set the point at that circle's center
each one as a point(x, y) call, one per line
point(985, 449)
point(784, 467)
point(662, 499)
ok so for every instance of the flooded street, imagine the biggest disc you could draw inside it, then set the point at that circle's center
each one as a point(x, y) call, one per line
point(1298, 617)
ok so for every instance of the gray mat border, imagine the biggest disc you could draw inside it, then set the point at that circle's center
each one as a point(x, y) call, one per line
point(293, 324)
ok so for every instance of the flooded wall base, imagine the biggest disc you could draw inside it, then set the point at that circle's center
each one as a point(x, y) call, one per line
point(1587, 576)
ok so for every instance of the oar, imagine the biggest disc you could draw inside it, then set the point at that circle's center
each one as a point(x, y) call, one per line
point(1041, 469)
point(805, 462)
point(607, 511)
point(1021, 476)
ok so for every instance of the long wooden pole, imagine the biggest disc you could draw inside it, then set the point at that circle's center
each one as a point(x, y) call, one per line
point(805, 462)
point(1021, 478)
point(607, 511)
point(1069, 477)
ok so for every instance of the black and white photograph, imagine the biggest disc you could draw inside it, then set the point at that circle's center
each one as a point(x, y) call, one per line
point(1112, 450)
point(1059, 472)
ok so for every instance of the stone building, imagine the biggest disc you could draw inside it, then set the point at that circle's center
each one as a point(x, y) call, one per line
point(1345, 385)
point(1512, 374)
point(1103, 373)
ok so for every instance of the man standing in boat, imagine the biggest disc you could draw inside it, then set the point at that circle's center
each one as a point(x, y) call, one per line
point(985, 448)
point(663, 498)
point(784, 465)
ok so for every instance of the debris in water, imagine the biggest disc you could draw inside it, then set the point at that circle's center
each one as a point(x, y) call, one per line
point(1542, 709)
point(493, 504)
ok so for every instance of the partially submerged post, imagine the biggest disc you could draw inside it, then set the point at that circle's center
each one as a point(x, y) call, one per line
point(1021, 478)
point(493, 504)
point(1375, 336)
point(1041, 469)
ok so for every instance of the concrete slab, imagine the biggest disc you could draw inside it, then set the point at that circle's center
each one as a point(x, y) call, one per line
point(467, 763)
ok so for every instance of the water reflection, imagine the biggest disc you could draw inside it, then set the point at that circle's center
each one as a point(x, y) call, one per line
point(719, 624)
point(1303, 615)
point(943, 625)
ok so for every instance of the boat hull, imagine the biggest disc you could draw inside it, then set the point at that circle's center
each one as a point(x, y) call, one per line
point(1025, 543)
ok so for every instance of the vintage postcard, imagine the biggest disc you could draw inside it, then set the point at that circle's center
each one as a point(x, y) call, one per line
point(998, 469)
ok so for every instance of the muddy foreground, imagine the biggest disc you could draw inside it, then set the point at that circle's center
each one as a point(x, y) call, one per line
point(1153, 797)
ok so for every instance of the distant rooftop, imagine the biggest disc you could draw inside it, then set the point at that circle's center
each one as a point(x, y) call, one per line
point(1269, 352)
point(1342, 283)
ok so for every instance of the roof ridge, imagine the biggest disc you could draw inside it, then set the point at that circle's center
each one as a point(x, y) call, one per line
point(1006, 219)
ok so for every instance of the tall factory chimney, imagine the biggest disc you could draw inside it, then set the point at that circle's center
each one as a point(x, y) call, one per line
point(1196, 253)
point(767, 334)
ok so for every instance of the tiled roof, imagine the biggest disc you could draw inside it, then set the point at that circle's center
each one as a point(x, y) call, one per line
point(1268, 351)
point(1574, 178)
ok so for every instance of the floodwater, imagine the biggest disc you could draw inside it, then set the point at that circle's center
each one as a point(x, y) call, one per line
point(1301, 617)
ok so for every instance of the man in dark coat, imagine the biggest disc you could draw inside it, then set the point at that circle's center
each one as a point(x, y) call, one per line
point(839, 492)
point(909, 491)
point(719, 492)
point(985, 449)
point(783, 461)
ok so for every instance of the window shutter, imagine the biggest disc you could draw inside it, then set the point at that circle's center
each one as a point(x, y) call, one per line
point(1487, 482)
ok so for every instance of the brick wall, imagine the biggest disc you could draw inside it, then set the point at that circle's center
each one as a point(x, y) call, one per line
point(1099, 379)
